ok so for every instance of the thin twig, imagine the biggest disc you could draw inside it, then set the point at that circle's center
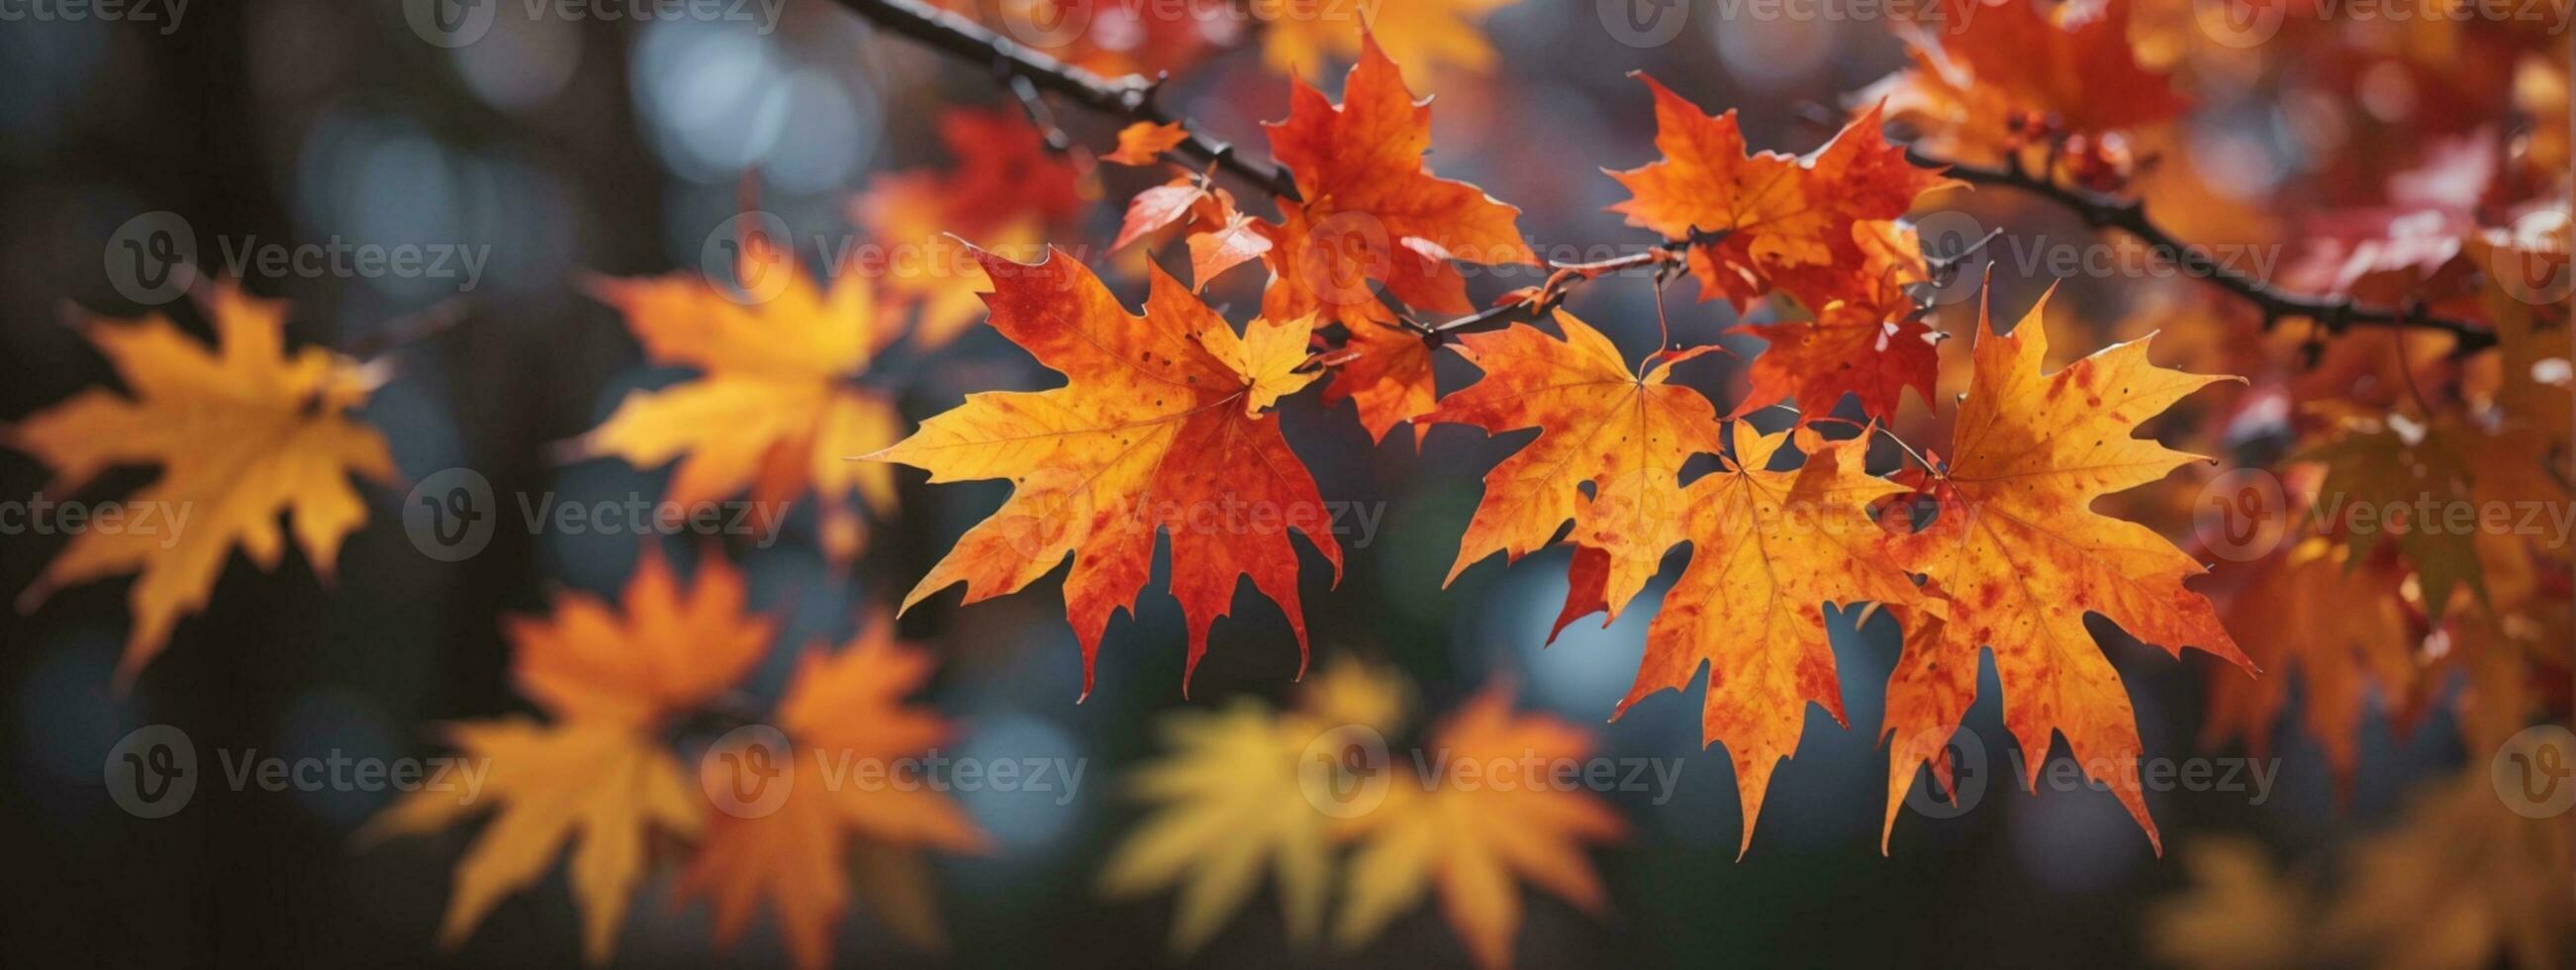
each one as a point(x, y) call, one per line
point(1131, 97)
point(2332, 314)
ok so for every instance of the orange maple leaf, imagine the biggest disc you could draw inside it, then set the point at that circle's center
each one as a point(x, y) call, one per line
point(1221, 236)
point(1770, 549)
point(1160, 428)
point(1143, 142)
point(1872, 347)
point(1373, 213)
point(775, 411)
point(1471, 840)
point(601, 775)
point(2340, 625)
point(243, 432)
point(2071, 62)
point(2020, 557)
point(1624, 433)
point(1769, 221)
point(846, 723)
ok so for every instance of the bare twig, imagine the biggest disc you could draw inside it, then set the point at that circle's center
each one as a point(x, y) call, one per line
point(1130, 97)
point(2331, 314)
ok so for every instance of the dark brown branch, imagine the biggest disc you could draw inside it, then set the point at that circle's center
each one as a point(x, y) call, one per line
point(1130, 98)
point(2330, 314)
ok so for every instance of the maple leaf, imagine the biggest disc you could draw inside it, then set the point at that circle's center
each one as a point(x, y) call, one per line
point(601, 775)
point(1298, 36)
point(2458, 881)
point(2383, 478)
point(2071, 62)
point(2020, 558)
point(1005, 192)
point(1233, 796)
point(775, 410)
point(844, 716)
point(2340, 625)
point(243, 432)
point(1372, 213)
point(1388, 378)
point(1769, 221)
point(1872, 347)
point(1221, 236)
point(1600, 423)
point(1144, 141)
point(1770, 549)
point(1230, 802)
point(1471, 840)
point(1158, 429)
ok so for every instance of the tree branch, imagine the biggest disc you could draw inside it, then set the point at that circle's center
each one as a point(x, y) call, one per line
point(1130, 98)
point(2332, 314)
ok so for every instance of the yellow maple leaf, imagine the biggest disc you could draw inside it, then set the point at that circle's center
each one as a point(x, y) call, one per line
point(775, 410)
point(602, 774)
point(1770, 550)
point(2019, 557)
point(1235, 796)
point(603, 787)
point(1472, 840)
point(1626, 434)
point(1298, 36)
point(242, 432)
